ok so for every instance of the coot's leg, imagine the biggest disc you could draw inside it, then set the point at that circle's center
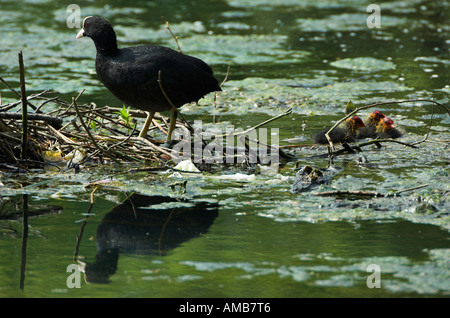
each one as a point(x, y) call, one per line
point(173, 120)
point(147, 124)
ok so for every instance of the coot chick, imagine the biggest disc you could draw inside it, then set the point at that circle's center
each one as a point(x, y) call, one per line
point(372, 122)
point(131, 73)
point(345, 133)
point(374, 118)
point(386, 129)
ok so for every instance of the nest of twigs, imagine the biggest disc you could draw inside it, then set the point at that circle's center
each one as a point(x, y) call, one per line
point(76, 134)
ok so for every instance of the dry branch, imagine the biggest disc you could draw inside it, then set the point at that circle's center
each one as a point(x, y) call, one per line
point(23, 98)
point(49, 119)
point(366, 193)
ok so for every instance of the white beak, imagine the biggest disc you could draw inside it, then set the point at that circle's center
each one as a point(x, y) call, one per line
point(80, 34)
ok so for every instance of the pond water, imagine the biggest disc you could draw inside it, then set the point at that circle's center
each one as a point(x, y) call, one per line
point(240, 232)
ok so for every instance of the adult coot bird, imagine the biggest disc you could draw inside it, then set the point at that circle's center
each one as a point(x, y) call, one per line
point(347, 132)
point(131, 73)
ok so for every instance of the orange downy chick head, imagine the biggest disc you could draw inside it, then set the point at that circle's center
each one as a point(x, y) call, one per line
point(354, 123)
point(387, 124)
point(375, 117)
point(358, 122)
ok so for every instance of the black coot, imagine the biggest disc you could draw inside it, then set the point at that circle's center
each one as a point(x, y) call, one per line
point(131, 73)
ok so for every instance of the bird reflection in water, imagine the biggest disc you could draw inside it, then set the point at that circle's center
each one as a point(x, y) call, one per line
point(147, 226)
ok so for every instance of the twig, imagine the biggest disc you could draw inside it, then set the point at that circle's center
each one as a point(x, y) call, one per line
point(143, 140)
point(49, 119)
point(163, 230)
point(32, 96)
point(155, 147)
point(122, 142)
point(80, 236)
point(23, 97)
point(409, 189)
point(14, 91)
point(8, 152)
point(173, 35)
point(288, 112)
point(158, 126)
point(356, 146)
point(45, 102)
point(429, 127)
point(298, 146)
point(215, 95)
point(226, 76)
point(348, 192)
point(366, 193)
point(74, 102)
point(173, 106)
point(62, 137)
point(214, 108)
point(375, 141)
point(9, 86)
point(163, 91)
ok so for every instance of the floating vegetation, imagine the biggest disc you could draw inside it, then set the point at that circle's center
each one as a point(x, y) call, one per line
point(345, 22)
point(364, 64)
point(242, 49)
point(319, 95)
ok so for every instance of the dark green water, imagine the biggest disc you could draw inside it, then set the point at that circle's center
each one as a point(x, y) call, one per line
point(260, 240)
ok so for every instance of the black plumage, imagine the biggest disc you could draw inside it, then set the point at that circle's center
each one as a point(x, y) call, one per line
point(338, 134)
point(132, 73)
point(347, 132)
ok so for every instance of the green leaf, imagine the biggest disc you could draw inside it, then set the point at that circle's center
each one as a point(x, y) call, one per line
point(349, 108)
point(124, 114)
